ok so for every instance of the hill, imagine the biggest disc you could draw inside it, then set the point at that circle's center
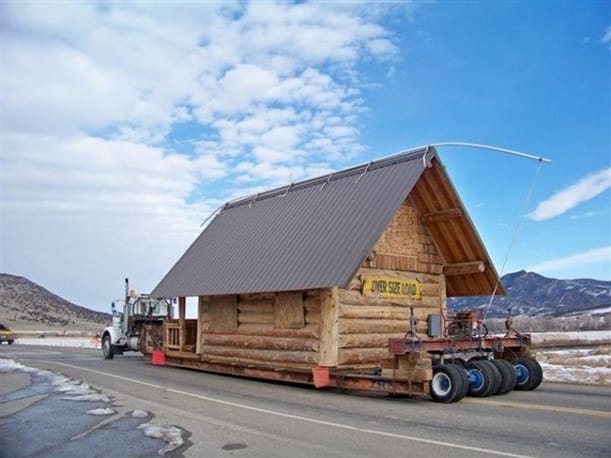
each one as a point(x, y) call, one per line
point(24, 305)
point(531, 294)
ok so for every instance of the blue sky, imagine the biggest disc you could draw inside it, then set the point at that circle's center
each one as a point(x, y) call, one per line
point(125, 125)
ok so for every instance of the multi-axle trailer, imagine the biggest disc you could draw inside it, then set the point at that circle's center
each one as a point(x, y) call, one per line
point(442, 369)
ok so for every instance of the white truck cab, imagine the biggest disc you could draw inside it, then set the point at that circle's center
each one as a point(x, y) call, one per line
point(129, 317)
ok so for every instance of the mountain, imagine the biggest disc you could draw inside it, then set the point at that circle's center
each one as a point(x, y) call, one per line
point(531, 294)
point(26, 305)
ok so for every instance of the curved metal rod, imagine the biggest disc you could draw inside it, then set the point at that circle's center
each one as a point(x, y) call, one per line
point(493, 148)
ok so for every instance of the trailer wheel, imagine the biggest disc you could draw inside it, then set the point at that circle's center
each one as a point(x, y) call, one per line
point(528, 372)
point(508, 375)
point(481, 379)
point(448, 384)
point(107, 349)
point(496, 376)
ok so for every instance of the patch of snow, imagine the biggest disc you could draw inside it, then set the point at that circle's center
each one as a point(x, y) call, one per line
point(101, 412)
point(583, 375)
point(73, 342)
point(169, 434)
point(572, 335)
point(93, 397)
point(72, 387)
point(139, 413)
point(9, 365)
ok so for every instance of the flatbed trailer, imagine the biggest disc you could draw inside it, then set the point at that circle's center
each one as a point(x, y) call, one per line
point(443, 370)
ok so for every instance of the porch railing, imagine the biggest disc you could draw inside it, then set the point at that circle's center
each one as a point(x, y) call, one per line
point(177, 338)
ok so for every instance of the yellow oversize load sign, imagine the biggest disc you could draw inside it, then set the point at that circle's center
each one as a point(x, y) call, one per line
point(392, 287)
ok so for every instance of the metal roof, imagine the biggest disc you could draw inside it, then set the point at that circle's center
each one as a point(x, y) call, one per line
point(313, 234)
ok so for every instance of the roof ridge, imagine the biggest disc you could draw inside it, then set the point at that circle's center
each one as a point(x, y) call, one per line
point(403, 156)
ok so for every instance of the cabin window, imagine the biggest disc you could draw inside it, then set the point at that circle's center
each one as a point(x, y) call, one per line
point(223, 312)
point(289, 311)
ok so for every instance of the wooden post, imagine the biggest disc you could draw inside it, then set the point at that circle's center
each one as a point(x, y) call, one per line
point(182, 305)
point(329, 334)
point(200, 325)
point(464, 268)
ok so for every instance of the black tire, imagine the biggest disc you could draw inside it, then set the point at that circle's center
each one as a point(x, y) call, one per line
point(480, 379)
point(107, 349)
point(448, 384)
point(496, 376)
point(10, 342)
point(460, 366)
point(508, 375)
point(528, 372)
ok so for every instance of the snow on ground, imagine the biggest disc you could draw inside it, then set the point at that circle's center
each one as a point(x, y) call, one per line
point(590, 366)
point(101, 412)
point(169, 434)
point(76, 390)
point(572, 336)
point(74, 342)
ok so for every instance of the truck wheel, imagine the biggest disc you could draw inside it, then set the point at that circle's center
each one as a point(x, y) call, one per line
point(107, 347)
point(528, 372)
point(480, 379)
point(496, 379)
point(448, 384)
point(508, 375)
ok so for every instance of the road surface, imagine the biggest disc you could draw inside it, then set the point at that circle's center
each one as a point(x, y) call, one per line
point(230, 416)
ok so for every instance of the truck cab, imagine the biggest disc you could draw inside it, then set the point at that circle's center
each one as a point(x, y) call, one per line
point(130, 317)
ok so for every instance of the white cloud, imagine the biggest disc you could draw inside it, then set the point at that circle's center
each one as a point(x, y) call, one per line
point(594, 256)
point(607, 36)
point(98, 180)
point(585, 189)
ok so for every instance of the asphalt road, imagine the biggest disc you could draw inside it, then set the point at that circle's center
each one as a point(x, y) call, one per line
point(230, 416)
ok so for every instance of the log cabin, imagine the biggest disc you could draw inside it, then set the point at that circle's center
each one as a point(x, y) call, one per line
point(324, 272)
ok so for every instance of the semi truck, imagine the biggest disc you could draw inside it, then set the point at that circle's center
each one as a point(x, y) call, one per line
point(137, 321)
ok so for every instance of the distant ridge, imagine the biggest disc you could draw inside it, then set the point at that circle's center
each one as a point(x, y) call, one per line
point(531, 294)
point(27, 305)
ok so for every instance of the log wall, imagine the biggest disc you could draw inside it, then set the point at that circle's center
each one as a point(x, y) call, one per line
point(366, 321)
point(280, 330)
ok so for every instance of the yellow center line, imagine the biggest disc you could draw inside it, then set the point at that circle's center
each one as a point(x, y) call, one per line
point(542, 407)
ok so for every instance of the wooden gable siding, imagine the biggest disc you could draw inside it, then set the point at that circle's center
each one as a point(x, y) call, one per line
point(456, 238)
point(271, 329)
point(405, 251)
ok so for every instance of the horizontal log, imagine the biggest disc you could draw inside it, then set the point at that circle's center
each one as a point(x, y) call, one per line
point(265, 330)
point(431, 290)
point(251, 363)
point(464, 268)
point(384, 312)
point(256, 318)
point(258, 296)
point(430, 302)
point(367, 340)
point(363, 356)
point(263, 342)
point(311, 294)
point(353, 326)
point(443, 215)
point(268, 356)
point(352, 297)
point(256, 306)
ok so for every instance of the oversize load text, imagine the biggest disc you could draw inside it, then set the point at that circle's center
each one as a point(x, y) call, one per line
point(392, 287)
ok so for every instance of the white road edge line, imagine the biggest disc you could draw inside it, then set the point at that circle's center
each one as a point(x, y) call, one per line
point(298, 417)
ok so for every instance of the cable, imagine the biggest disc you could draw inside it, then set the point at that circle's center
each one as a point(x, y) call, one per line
point(514, 237)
